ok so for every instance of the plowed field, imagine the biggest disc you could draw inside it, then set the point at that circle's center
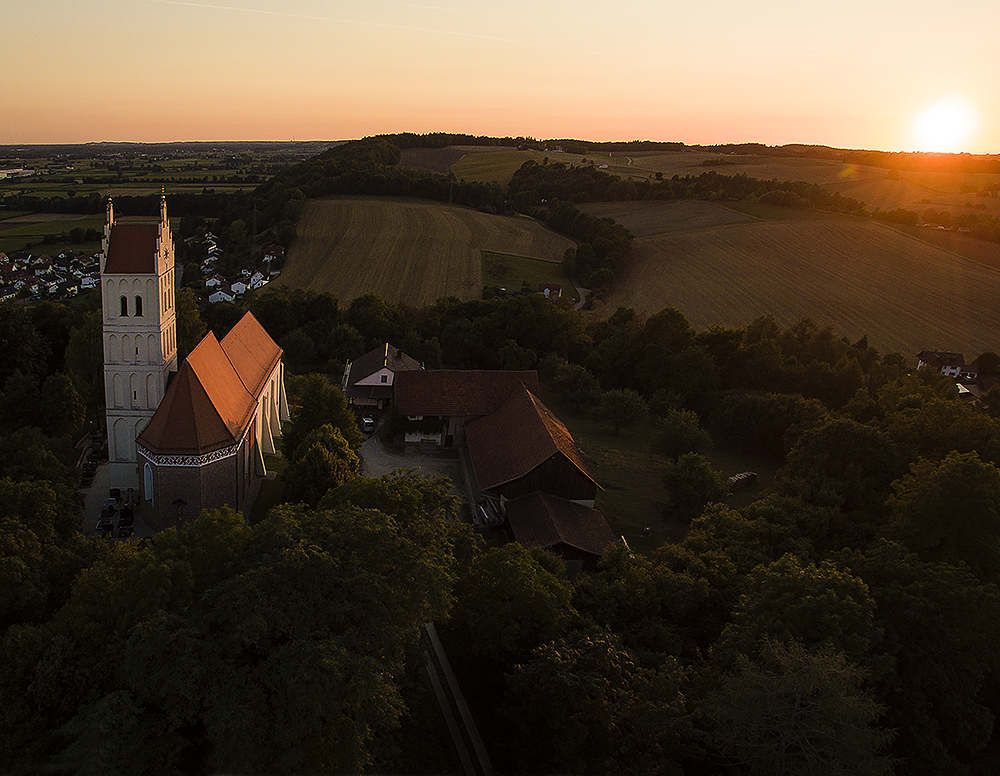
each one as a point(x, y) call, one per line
point(406, 250)
point(858, 276)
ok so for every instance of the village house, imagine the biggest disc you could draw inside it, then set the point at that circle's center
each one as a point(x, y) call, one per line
point(951, 364)
point(368, 379)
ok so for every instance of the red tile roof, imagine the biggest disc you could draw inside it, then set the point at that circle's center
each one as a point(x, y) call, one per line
point(515, 439)
point(132, 249)
point(252, 352)
point(543, 520)
point(213, 397)
point(458, 392)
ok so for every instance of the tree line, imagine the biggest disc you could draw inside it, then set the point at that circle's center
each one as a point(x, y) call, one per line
point(840, 623)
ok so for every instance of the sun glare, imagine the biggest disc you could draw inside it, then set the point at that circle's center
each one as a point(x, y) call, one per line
point(945, 126)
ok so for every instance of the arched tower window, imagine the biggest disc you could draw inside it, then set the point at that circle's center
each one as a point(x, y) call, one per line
point(138, 305)
point(147, 477)
point(124, 301)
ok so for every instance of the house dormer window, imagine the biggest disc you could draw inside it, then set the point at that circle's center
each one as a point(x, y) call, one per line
point(124, 301)
point(138, 305)
point(385, 378)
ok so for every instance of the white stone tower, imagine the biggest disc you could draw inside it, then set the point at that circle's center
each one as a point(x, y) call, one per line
point(140, 335)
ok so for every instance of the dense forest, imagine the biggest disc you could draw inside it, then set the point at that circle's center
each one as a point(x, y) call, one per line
point(841, 623)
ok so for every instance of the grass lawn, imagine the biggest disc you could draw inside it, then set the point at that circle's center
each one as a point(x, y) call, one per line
point(632, 476)
point(271, 491)
point(505, 270)
point(31, 235)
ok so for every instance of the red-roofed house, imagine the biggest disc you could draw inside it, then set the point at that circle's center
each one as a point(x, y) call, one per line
point(368, 379)
point(453, 396)
point(187, 439)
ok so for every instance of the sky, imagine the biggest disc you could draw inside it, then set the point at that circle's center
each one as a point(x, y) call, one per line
point(897, 75)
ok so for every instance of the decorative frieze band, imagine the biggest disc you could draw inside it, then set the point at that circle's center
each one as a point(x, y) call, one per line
point(188, 460)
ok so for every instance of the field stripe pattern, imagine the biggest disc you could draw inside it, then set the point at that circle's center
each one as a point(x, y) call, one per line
point(859, 277)
point(406, 251)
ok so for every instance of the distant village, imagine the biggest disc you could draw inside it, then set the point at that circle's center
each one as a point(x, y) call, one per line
point(41, 276)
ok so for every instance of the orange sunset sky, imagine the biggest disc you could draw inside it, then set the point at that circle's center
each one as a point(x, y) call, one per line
point(879, 74)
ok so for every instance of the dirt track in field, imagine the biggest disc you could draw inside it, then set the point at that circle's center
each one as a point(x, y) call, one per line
point(406, 251)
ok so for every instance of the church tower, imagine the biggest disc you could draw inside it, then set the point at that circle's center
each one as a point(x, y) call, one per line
point(140, 333)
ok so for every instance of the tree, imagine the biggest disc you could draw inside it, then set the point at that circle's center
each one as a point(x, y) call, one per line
point(842, 464)
point(680, 432)
point(621, 408)
point(581, 704)
point(507, 604)
point(274, 648)
point(190, 327)
point(40, 549)
point(577, 386)
point(816, 606)
point(513, 356)
point(933, 661)
point(317, 402)
point(85, 361)
point(64, 411)
point(793, 711)
point(692, 484)
point(22, 348)
point(322, 461)
point(404, 494)
point(950, 511)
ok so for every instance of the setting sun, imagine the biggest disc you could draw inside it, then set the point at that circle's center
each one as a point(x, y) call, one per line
point(946, 126)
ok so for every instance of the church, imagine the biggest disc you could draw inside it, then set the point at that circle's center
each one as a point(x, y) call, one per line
point(189, 437)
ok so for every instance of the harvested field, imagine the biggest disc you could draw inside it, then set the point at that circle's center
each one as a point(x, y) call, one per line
point(407, 251)
point(858, 276)
point(492, 164)
point(647, 219)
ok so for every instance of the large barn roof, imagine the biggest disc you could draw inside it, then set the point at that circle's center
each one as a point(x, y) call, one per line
point(458, 392)
point(519, 436)
point(543, 520)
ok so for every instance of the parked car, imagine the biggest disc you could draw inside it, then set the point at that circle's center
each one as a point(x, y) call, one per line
point(368, 425)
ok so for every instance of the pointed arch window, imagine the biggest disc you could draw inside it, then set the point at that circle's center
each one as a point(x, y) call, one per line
point(138, 305)
point(124, 301)
point(147, 476)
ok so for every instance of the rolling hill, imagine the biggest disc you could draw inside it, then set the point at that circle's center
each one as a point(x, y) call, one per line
point(408, 251)
point(861, 277)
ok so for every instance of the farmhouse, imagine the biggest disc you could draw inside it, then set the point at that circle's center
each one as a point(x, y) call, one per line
point(183, 439)
point(368, 379)
point(951, 364)
point(523, 464)
point(442, 400)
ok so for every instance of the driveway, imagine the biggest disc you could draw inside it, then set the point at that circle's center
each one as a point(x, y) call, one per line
point(377, 459)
